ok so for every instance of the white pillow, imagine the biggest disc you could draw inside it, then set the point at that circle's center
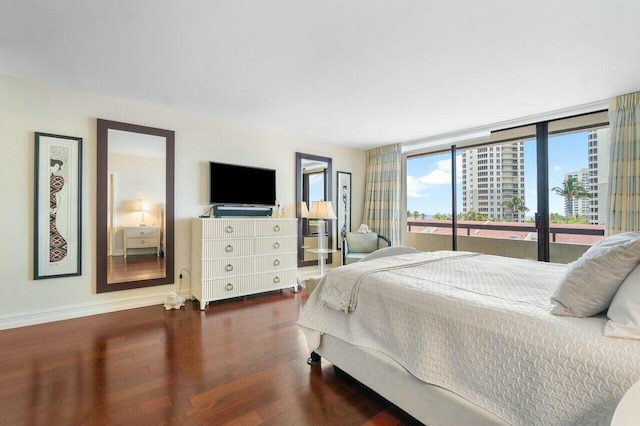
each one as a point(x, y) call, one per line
point(624, 312)
point(591, 281)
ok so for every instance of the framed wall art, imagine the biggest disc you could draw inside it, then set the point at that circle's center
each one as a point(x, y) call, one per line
point(57, 206)
point(343, 206)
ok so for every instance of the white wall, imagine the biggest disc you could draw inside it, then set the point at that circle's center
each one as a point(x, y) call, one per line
point(27, 107)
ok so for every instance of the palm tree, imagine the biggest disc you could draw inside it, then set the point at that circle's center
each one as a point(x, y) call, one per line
point(473, 215)
point(572, 189)
point(514, 205)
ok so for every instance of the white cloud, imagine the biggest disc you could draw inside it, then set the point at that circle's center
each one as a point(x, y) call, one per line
point(557, 168)
point(416, 186)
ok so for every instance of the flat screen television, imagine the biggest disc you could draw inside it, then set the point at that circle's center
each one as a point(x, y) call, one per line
point(241, 185)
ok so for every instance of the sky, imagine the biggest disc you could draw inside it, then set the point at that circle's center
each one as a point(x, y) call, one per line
point(316, 188)
point(429, 177)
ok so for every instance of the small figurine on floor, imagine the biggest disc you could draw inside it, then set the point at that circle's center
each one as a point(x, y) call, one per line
point(173, 301)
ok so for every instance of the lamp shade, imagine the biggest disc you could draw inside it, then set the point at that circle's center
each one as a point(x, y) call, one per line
point(322, 210)
point(142, 205)
point(304, 211)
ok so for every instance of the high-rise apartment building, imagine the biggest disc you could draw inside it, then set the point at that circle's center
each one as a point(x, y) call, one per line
point(491, 175)
point(598, 173)
point(578, 206)
point(594, 179)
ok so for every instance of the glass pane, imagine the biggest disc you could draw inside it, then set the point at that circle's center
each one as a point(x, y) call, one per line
point(578, 177)
point(498, 196)
point(429, 210)
point(316, 187)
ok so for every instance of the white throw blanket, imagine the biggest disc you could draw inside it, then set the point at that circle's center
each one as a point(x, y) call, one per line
point(340, 288)
point(480, 326)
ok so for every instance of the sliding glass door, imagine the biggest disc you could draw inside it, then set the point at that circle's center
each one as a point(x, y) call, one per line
point(533, 192)
point(578, 176)
point(499, 199)
point(429, 201)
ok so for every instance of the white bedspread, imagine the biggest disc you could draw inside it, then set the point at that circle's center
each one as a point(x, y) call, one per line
point(480, 326)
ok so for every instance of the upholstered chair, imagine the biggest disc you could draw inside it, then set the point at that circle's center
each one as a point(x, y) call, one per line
point(355, 246)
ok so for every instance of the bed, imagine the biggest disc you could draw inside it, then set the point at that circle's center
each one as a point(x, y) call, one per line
point(466, 338)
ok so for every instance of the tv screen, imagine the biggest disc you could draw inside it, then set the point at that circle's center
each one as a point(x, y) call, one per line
point(234, 184)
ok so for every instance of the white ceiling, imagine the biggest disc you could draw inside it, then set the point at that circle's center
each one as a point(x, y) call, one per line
point(362, 73)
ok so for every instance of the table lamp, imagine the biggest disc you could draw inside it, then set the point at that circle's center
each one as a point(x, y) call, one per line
point(322, 211)
point(304, 211)
point(142, 208)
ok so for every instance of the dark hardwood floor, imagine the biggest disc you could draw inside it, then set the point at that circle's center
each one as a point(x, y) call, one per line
point(240, 362)
point(135, 268)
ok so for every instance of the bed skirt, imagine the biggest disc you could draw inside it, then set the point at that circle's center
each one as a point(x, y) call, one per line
point(428, 403)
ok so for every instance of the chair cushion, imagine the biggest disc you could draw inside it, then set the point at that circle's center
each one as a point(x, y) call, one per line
point(362, 243)
point(354, 257)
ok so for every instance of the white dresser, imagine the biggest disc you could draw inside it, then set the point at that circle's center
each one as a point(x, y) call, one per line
point(138, 237)
point(233, 257)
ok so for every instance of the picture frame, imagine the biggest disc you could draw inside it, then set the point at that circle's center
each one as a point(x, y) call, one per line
point(57, 206)
point(343, 193)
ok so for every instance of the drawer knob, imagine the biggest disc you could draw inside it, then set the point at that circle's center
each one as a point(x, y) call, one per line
point(229, 287)
point(229, 229)
point(276, 228)
point(141, 241)
point(229, 268)
point(276, 245)
point(276, 279)
point(228, 248)
point(276, 262)
point(141, 232)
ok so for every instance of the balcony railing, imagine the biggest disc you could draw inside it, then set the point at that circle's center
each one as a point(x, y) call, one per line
point(525, 227)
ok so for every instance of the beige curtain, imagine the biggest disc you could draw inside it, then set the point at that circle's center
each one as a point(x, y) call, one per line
point(383, 191)
point(623, 206)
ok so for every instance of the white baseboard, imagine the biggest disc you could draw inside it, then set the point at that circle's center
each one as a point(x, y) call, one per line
point(83, 310)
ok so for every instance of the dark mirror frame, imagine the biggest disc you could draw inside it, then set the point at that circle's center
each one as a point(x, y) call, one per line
point(101, 226)
point(327, 196)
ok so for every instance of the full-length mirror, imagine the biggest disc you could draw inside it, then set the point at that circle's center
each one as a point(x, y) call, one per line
point(313, 183)
point(135, 206)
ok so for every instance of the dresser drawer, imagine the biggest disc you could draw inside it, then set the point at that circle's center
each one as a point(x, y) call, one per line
point(212, 249)
point(274, 227)
point(223, 288)
point(140, 232)
point(277, 279)
point(142, 242)
point(230, 267)
point(227, 229)
point(276, 262)
point(272, 245)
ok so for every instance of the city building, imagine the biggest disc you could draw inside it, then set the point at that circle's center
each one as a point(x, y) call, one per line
point(598, 173)
point(491, 175)
point(594, 179)
point(578, 206)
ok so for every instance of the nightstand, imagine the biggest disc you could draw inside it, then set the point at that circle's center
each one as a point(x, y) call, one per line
point(141, 237)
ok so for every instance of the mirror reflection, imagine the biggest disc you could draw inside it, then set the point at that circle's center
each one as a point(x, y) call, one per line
point(313, 177)
point(135, 206)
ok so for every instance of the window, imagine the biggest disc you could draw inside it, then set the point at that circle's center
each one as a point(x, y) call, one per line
point(429, 195)
point(573, 222)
